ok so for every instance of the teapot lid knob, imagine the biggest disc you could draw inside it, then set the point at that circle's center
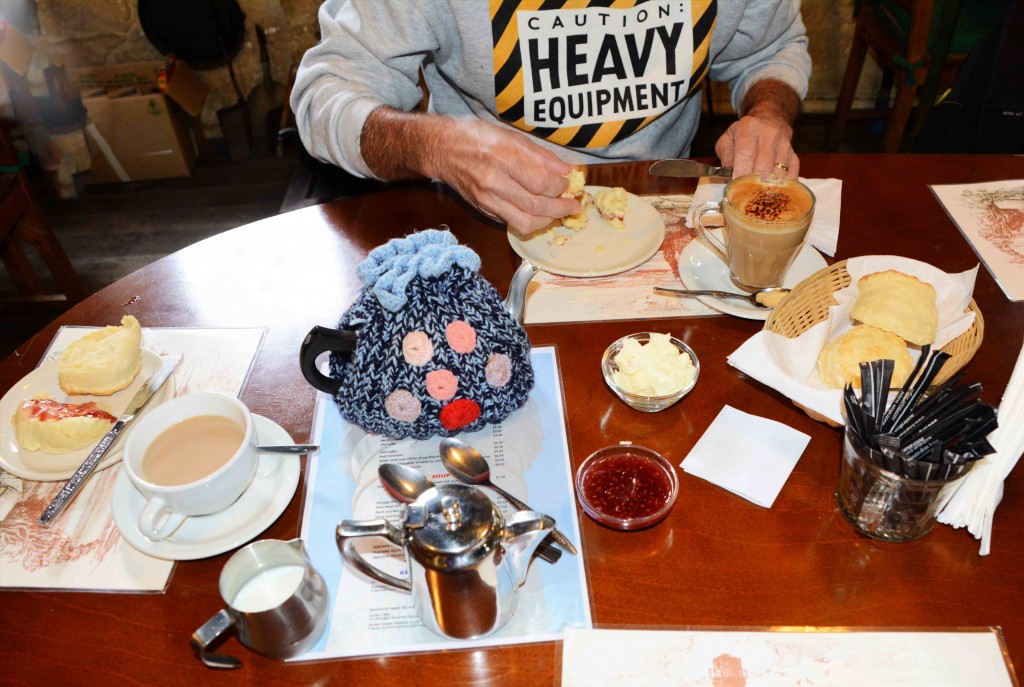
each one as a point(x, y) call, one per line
point(451, 512)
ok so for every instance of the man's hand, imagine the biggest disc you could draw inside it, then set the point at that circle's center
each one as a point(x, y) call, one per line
point(503, 173)
point(763, 135)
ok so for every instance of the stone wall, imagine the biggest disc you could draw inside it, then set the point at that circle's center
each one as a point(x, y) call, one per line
point(84, 33)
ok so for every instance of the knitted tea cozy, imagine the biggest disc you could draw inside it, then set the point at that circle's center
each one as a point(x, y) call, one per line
point(436, 352)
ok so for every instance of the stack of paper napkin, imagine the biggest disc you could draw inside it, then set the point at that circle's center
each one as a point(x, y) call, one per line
point(974, 502)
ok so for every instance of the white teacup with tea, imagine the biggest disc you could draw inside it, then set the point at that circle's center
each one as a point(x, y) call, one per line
point(192, 456)
point(766, 220)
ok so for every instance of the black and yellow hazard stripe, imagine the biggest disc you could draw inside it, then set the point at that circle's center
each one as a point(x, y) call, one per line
point(508, 68)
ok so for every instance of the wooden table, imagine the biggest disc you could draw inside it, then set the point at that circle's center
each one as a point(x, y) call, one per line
point(717, 561)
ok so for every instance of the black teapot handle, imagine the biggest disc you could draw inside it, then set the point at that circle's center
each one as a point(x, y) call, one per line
point(321, 340)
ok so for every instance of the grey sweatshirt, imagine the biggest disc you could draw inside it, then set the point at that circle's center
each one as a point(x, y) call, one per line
point(593, 84)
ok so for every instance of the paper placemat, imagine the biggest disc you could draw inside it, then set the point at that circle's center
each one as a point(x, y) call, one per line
point(832, 657)
point(83, 549)
point(990, 215)
point(628, 295)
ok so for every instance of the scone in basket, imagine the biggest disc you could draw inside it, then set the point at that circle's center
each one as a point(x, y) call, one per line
point(809, 302)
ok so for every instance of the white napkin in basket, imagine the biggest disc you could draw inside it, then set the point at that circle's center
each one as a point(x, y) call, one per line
point(824, 231)
point(790, 365)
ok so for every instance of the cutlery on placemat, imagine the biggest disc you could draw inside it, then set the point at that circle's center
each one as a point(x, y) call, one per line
point(142, 396)
point(469, 466)
point(688, 168)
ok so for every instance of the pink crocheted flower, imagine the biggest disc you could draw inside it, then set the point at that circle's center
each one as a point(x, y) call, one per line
point(417, 349)
point(498, 370)
point(402, 406)
point(461, 336)
point(442, 384)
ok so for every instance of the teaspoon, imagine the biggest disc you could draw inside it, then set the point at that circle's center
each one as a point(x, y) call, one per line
point(289, 448)
point(467, 465)
point(766, 302)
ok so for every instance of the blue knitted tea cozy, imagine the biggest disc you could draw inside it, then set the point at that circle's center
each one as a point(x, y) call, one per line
point(436, 352)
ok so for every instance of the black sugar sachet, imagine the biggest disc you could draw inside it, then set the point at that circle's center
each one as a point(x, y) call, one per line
point(931, 368)
point(906, 387)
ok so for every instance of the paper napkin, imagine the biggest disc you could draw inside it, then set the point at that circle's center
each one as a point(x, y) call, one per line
point(974, 502)
point(749, 455)
point(824, 231)
point(790, 365)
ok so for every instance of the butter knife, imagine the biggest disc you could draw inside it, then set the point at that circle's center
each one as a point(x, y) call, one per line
point(688, 168)
point(142, 396)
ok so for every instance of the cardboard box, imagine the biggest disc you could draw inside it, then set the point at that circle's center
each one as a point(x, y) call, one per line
point(135, 130)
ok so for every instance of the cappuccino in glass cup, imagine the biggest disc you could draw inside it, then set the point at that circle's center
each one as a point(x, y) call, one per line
point(766, 219)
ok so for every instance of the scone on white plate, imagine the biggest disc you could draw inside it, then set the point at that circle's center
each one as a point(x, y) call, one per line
point(612, 203)
point(103, 362)
point(43, 424)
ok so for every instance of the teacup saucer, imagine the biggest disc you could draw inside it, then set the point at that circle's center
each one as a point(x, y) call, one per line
point(700, 268)
point(270, 492)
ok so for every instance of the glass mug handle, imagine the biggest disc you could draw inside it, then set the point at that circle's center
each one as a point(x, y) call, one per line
point(705, 232)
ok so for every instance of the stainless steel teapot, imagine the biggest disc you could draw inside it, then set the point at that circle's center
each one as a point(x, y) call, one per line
point(466, 561)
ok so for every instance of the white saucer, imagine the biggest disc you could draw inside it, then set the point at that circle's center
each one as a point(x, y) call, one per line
point(51, 467)
point(277, 476)
point(599, 249)
point(701, 268)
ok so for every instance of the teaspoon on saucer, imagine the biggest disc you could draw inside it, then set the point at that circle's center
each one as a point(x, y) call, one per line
point(768, 300)
point(290, 448)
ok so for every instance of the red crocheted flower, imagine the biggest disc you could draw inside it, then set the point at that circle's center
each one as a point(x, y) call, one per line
point(459, 413)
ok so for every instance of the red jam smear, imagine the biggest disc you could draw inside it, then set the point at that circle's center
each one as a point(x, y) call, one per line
point(627, 487)
point(47, 410)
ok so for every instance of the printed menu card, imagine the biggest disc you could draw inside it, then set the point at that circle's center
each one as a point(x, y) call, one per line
point(529, 457)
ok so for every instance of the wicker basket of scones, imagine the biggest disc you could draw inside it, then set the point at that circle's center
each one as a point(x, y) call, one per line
point(809, 302)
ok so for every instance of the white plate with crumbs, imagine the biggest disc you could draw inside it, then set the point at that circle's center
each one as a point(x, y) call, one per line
point(52, 467)
point(599, 249)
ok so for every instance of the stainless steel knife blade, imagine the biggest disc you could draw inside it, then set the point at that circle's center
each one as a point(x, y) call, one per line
point(141, 397)
point(688, 168)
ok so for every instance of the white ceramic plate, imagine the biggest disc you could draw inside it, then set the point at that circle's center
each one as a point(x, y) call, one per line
point(701, 268)
point(599, 249)
point(271, 490)
point(51, 467)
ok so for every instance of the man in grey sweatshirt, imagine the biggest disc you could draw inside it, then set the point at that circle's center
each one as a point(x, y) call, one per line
point(521, 90)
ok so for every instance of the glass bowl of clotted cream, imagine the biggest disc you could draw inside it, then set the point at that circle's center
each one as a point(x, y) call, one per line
point(650, 371)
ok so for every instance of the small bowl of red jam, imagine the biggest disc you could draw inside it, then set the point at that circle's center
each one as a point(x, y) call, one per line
point(627, 487)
